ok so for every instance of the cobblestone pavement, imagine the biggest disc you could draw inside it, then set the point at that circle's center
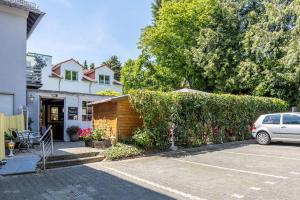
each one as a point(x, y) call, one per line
point(247, 171)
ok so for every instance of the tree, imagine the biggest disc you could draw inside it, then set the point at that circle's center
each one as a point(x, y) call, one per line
point(217, 53)
point(142, 73)
point(85, 65)
point(92, 66)
point(171, 39)
point(271, 56)
point(114, 63)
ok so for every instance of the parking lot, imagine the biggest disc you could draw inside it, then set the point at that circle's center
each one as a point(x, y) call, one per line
point(237, 171)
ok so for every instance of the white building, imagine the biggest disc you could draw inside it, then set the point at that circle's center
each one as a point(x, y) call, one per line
point(18, 19)
point(59, 95)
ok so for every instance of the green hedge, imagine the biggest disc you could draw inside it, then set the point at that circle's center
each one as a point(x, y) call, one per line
point(200, 118)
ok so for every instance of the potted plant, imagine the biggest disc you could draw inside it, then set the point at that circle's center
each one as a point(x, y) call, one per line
point(99, 141)
point(94, 138)
point(8, 137)
point(86, 136)
point(73, 133)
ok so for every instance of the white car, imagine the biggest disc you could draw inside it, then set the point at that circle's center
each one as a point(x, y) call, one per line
point(277, 127)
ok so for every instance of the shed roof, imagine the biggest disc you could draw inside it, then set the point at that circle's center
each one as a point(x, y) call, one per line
point(35, 14)
point(112, 99)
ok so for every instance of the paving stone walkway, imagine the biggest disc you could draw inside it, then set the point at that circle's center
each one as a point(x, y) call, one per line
point(80, 182)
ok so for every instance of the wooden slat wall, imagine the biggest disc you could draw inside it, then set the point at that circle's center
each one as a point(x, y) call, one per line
point(105, 114)
point(128, 119)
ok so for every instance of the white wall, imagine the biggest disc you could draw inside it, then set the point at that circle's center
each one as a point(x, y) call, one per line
point(97, 87)
point(13, 54)
point(70, 100)
point(81, 86)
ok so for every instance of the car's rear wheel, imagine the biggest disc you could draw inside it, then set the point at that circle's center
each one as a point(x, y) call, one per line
point(263, 138)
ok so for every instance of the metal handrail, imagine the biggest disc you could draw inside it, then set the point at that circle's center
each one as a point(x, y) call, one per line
point(46, 132)
point(46, 142)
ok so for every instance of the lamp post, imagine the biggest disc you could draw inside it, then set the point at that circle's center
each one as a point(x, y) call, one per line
point(11, 147)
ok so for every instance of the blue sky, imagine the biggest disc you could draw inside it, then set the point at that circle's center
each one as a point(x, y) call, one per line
point(91, 30)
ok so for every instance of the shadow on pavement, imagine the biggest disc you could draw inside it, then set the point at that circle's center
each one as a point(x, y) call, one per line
point(81, 182)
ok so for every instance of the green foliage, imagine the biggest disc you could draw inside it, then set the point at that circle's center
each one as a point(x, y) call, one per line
point(108, 93)
point(143, 73)
point(200, 118)
point(98, 134)
point(120, 151)
point(143, 138)
point(8, 135)
point(73, 130)
point(92, 66)
point(114, 64)
point(85, 65)
point(239, 47)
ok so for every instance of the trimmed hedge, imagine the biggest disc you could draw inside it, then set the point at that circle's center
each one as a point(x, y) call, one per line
point(200, 118)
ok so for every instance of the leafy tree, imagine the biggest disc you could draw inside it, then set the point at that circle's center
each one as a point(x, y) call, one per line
point(271, 59)
point(108, 93)
point(92, 66)
point(175, 33)
point(114, 63)
point(143, 73)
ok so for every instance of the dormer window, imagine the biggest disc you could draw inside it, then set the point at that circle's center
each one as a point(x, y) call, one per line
point(104, 79)
point(71, 75)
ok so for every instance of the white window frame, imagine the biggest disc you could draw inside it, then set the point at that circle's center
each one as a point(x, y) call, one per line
point(76, 72)
point(106, 80)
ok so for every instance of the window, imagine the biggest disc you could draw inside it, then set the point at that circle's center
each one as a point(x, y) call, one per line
point(104, 79)
point(291, 119)
point(71, 75)
point(272, 119)
point(87, 111)
point(54, 113)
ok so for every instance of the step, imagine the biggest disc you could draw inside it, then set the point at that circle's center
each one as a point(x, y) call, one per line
point(73, 156)
point(72, 162)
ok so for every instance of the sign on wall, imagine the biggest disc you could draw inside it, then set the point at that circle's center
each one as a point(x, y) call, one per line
point(73, 113)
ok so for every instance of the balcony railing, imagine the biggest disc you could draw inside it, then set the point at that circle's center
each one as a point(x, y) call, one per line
point(33, 77)
point(22, 4)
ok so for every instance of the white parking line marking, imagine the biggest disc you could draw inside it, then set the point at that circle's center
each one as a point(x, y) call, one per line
point(295, 173)
point(255, 188)
point(231, 169)
point(177, 192)
point(238, 196)
point(270, 182)
point(259, 155)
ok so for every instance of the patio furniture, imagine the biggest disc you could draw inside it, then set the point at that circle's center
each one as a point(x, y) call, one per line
point(26, 139)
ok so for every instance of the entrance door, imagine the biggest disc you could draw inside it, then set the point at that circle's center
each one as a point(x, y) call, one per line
point(53, 114)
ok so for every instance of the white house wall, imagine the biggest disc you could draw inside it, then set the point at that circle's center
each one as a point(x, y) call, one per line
point(70, 100)
point(13, 54)
point(81, 86)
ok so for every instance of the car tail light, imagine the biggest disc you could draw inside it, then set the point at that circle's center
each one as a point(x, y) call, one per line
point(253, 127)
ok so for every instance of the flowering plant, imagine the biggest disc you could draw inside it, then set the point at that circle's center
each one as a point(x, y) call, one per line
point(86, 134)
point(91, 134)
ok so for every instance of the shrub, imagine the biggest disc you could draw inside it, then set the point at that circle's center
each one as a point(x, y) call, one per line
point(108, 93)
point(120, 151)
point(98, 134)
point(143, 138)
point(200, 118)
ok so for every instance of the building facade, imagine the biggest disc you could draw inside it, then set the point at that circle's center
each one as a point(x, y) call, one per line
point(59, 95)
point(17, 21)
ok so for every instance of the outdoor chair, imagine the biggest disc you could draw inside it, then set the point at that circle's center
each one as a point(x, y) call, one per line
point(22, 139)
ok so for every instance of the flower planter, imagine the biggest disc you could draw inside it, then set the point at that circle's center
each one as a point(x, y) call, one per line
point(88, 143)
point(103, 144)
point(74, 138)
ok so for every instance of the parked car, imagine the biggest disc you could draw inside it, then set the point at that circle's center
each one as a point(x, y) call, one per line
point(277, 127)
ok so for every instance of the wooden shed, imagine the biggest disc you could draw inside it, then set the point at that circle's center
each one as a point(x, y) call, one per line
point(118, 115)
